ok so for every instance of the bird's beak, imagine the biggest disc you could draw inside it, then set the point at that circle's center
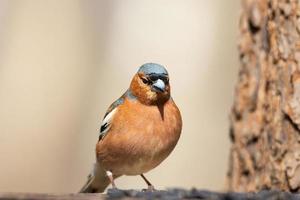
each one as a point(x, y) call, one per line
point(158, 86)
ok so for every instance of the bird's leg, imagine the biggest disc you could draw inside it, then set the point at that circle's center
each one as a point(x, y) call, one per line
point(150, 186)
point(111, 179)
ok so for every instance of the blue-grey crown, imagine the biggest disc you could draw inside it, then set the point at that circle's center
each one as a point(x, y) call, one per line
point(153, 68)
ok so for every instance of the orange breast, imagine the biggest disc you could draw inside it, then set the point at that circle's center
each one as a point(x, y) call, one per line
point(140, 137)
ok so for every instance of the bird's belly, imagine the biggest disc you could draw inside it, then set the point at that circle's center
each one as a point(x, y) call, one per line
point(140, 147)
point(139, 155)
point(136, 167)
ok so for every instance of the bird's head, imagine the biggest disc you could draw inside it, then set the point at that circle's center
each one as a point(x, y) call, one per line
point(151, 84)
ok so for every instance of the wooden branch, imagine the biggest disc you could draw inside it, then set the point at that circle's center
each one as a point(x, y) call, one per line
point(36, 196)
point(169, 194)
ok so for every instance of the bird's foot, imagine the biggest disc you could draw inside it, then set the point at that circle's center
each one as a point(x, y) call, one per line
point(149, 189)
point(114, 187)
point(114, 190)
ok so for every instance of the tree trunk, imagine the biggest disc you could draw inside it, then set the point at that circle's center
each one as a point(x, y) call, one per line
point(265, 118)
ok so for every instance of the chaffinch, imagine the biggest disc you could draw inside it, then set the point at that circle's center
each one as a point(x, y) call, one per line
point(138, 132)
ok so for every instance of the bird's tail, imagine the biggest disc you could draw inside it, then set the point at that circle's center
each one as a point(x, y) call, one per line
point(97, 181)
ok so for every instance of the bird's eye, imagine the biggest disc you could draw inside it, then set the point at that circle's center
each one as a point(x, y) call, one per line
point(145, 81)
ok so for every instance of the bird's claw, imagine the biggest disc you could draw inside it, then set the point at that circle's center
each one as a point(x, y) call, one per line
point(149, 189)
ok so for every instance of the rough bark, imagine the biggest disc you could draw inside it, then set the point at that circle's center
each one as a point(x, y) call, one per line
point(265, 118)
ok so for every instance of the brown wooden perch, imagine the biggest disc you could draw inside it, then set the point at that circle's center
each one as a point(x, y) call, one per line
point(35, 196)
point(173, 194)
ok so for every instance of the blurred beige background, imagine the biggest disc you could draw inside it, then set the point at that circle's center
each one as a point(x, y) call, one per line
point(62, 62)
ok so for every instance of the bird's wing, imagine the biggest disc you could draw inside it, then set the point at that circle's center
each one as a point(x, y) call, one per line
point(106, 122)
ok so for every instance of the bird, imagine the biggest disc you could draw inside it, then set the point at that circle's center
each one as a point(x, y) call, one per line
point(138, 131)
